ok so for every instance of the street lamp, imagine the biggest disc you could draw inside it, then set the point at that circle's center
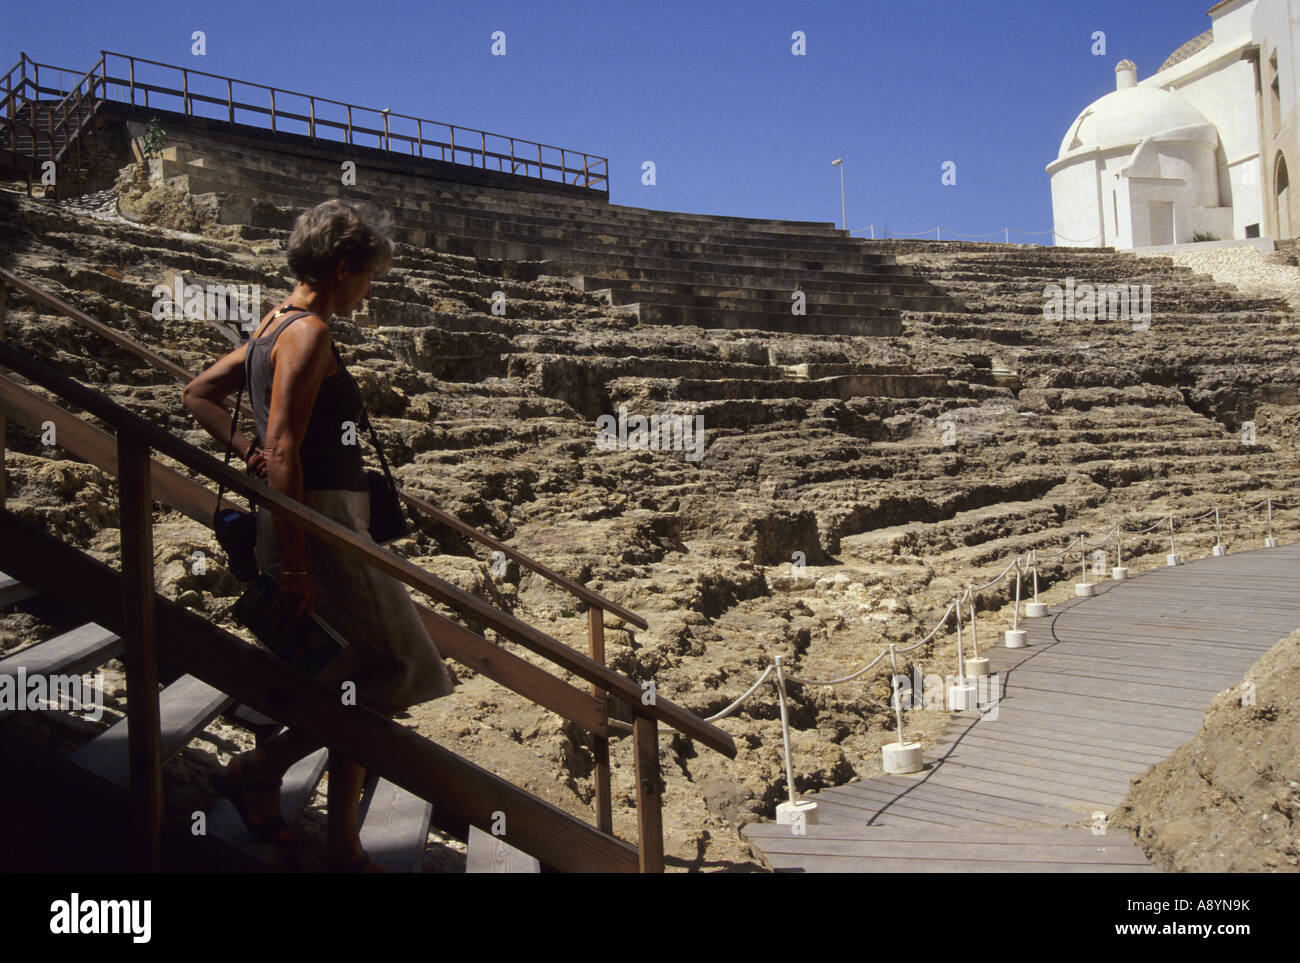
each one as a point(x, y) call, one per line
point(844, 222)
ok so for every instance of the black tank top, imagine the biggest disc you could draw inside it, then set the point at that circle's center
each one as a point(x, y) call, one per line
point(326, 461)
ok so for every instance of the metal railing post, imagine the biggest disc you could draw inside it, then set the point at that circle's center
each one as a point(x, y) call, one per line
point(273, 110)
point(230, 98)
point(144, 739)
point(185, 88)
point(311, 101)
point(131, 74)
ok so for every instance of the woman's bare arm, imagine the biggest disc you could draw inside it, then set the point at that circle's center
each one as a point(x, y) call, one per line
point(206, 398)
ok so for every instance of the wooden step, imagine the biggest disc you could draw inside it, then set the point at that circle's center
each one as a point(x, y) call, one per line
point(492, 854)
point(71, 653)
point(12, 590)
point(296, 792)
point(185, 708)
point(394, 826)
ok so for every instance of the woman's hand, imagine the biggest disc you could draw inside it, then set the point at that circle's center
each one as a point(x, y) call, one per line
point(256, 461)
point(297, 597)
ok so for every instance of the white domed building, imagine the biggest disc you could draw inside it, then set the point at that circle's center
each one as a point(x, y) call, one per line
point(1197, 151)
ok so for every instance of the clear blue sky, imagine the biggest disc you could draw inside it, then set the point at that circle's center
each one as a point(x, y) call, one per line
point(735, 123)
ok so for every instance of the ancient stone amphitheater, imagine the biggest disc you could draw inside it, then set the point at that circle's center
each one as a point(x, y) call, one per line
point(919, 425)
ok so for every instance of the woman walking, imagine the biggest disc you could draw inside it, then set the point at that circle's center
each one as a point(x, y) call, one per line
point(301, 399)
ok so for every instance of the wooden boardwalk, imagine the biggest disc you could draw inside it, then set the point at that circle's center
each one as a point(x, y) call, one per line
point(1107, 686)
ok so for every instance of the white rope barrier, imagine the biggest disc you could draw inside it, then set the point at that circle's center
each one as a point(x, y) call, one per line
point(872, 663)
point(1113, 532)
point(1062, 551)
point(1014, 562)
point(1147, 530)
point(741, 701)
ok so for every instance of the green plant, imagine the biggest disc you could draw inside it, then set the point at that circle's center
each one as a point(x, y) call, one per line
point(153, 135)
point(1204, 236)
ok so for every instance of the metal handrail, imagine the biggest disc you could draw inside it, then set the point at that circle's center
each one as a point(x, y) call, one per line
point(593, 171)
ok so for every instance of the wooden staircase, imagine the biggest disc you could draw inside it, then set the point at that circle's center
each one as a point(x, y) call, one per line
point(39, 123)
point(208, 670)
point(394, 822)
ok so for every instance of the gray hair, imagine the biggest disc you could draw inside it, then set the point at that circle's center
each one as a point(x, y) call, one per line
point(339, 230)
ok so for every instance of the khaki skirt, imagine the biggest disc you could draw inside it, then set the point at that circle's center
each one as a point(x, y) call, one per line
point(390, 657)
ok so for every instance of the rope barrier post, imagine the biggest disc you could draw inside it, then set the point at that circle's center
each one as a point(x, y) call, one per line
point(793, 813)
point(896, 697)
point(1172, 558)
point(1270, 541)
point(961, 695)
point(1016, 637)
point(1084, 589)
point(1035, 609)
point(900, 756)
point(1119, 572)
point(977, 666)
point(1219, 550)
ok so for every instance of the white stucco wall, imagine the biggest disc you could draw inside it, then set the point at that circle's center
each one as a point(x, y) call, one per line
point(1247, 196)
point(1233, 23)
point(1075, 210)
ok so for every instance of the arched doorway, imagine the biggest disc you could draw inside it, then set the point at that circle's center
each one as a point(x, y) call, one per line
point(1282, 197)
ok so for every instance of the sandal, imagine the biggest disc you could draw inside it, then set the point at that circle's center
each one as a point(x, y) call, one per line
point(271, 829)
point(362, 864)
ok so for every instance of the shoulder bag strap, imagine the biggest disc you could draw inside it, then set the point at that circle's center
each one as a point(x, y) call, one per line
point(365, 419)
